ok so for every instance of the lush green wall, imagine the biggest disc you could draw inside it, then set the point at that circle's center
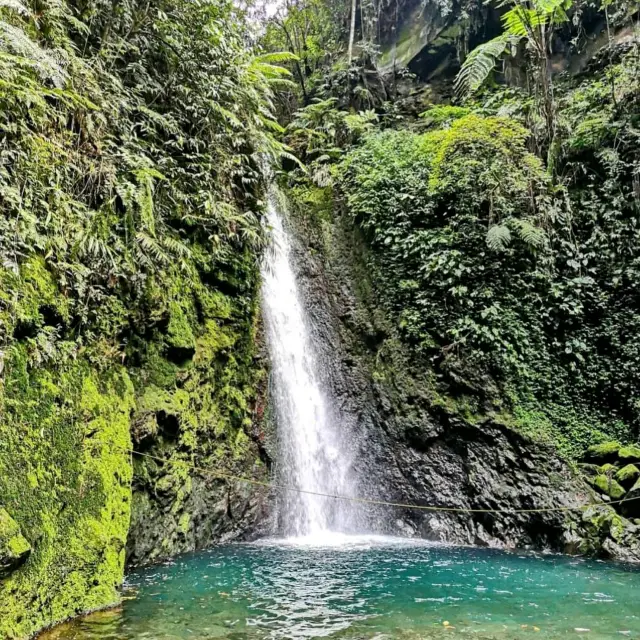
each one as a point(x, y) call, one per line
point(516, 283)
point(129, 235)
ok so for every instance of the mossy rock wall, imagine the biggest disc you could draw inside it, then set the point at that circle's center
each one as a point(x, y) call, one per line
point(65, 481)
point(186, 394)
point(199, 406)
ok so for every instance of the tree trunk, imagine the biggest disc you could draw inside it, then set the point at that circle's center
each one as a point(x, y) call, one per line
point(352, 30)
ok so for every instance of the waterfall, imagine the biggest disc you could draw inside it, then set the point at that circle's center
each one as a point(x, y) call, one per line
point(314, 454)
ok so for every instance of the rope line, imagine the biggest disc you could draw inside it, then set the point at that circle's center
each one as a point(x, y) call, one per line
point(372, 501)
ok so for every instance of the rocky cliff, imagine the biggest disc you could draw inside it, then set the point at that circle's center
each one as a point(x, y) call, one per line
point(76, 502)
point(419, 446)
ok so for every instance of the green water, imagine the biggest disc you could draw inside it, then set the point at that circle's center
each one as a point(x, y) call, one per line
point(370, 588)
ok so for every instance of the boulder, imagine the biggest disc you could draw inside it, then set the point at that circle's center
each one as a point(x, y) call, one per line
point(608, 469)
point(604, 452)
point(589, 469)
point(631, 505)
point(629, 454)
point(628, 475)
point(608, 486)
point(14, 548)
point(609, 535)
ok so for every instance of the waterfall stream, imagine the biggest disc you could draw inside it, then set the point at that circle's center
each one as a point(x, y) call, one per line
point(314, 454)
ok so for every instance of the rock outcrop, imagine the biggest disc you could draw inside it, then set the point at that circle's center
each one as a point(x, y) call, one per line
point(421, 448)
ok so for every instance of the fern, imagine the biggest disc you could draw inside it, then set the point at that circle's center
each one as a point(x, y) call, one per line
point(14, 5)
point(276, 58)
point(533, 236)
point(498, 237)
point(479, 64)
point(520, 22)
point(26, 51)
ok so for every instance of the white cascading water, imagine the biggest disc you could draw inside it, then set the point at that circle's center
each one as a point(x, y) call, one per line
point(313, 453)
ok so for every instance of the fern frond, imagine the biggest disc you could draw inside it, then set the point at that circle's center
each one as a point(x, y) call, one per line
point(14, 5)
point(533, 236)
point(277, 57)
point(176, 247)
point(479, 64)
point(289, 156)
point(16, 41)
point(269, 70)
point(152, 247)
point(498, 237)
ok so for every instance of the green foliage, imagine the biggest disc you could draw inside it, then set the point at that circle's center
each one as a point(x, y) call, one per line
point(427, 203)
point(320, 133)
point(133, 141)
point(307, 29)
point(526, 20)
point(443, 114)
point(476, 256)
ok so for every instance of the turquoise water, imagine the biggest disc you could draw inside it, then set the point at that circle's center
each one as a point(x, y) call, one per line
point(369, 588)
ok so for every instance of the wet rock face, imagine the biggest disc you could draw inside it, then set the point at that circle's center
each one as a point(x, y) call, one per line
point(411, 449)
point(214, 511)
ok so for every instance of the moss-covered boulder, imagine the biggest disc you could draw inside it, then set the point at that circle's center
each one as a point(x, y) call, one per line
point(629, 454)
point(14, 548)
point(608, 534)
point(604, 452)
point(589, 469)
point(628, 475)
point(608, 469)
point(607, 485)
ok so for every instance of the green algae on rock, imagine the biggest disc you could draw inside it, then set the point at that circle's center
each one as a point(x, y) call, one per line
point(14, 547)
point(65, 478)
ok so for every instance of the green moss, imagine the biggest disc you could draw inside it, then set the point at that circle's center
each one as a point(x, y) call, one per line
point(628, 474)
point(444, 114)
point(65, 479)
point(179, 333)
point(603, 451)
point(629, 453)
point(608, 469)
point(589, 469)
point(608, 486)
point(601, 522)
point(14, 548)
point(196, 413)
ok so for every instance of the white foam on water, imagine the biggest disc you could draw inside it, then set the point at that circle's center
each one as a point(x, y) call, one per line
point(338, 540)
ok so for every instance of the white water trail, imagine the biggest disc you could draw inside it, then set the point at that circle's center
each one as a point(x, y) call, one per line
point(314, 455)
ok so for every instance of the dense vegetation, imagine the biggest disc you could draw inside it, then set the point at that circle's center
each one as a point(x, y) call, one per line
point(503, 230)
point(503, 277)
point(132, 136)
point(502, 241)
